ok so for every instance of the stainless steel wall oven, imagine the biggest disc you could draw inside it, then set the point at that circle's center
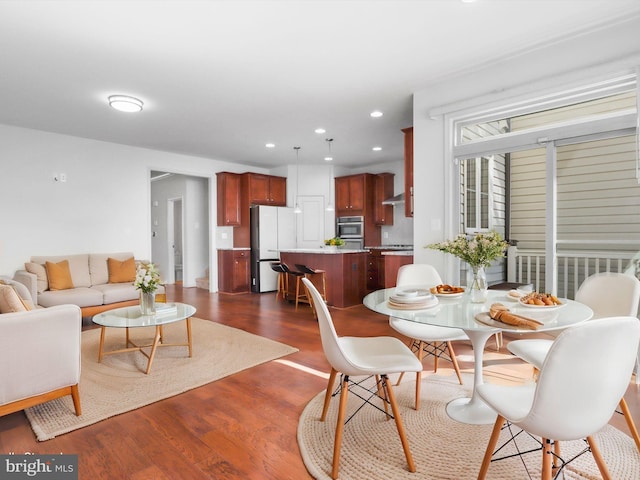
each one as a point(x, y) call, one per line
point(350, 227)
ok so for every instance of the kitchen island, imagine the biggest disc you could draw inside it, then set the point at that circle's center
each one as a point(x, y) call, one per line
point(345, 272)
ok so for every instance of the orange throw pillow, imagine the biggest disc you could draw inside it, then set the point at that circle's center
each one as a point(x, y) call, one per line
point(59, 275)
point(121, 271)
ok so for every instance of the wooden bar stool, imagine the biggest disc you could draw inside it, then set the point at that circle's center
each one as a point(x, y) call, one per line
point(312, 275)
point(298, 275)
point(283, 279)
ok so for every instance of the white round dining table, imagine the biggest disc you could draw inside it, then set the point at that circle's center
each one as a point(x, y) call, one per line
point(460, 312)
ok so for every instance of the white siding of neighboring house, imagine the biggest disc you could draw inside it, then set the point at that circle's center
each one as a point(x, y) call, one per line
point(598, 193)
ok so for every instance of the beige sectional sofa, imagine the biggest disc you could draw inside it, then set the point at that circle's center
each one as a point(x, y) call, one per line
point(91, 288)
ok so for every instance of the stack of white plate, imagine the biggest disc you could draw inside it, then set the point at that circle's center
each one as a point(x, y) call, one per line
point(412, 299)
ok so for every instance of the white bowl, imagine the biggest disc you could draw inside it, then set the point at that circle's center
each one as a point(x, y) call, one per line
point(407, 293)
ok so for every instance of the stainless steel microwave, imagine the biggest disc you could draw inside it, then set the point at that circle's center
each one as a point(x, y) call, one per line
point(350, 227)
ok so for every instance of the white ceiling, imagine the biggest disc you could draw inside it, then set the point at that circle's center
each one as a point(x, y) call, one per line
point(219, 79)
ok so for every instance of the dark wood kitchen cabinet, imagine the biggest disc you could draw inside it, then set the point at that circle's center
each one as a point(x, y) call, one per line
point(351, 192)
point(383, 214)
point(375, 270)
point(238, 191)
point(355, 196)
point(265, 189)
point(234, 271)
point(408, 171)
point(382, 270)
point(228, 185)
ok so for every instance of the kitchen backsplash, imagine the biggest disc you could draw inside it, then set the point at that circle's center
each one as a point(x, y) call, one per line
point(224, 237)
point(401, 232)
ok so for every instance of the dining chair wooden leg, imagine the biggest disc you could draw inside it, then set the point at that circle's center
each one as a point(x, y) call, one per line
point(546, 459)
point(556, 456)
point(597, 456)
point(340, 427)
point(493, 441)
point(632, 427)
point(454, 360)
point(499, 341)
point(399, 425)
point(382, 394)
point(435, 357)
point(327, 395)
point(418, 386)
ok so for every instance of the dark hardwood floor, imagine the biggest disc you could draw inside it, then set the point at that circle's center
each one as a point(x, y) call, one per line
point(243, 426)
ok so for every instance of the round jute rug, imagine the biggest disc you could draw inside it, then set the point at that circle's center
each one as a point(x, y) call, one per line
point(442, 448)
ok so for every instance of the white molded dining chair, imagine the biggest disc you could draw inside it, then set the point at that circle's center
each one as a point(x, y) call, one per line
point(581, 380)
point(426, 339)
point(361, 356)
point(607, 294)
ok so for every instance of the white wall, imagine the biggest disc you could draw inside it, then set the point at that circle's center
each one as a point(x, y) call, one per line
point(104, 206)
point(573, 60)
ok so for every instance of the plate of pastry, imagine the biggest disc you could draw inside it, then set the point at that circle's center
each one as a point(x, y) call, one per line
point(447, 291)
point(543, 301)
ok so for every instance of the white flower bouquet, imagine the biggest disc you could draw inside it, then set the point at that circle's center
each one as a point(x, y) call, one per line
point(478, 250)
point(147, 277)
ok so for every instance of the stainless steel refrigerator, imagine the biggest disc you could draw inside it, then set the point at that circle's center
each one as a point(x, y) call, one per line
point(272, 229)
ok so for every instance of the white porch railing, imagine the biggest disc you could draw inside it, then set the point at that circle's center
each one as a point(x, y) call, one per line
point(528, 266)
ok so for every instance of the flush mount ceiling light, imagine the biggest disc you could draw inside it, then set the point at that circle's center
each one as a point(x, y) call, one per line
point(270, 145)
point(329, 157)
point(320, 130)
point(376, 114)
point(124, 103)
point(376, 149)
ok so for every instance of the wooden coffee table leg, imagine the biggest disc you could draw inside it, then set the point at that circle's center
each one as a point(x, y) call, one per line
point(156, 341)
point(189, 337)
point(100, 349)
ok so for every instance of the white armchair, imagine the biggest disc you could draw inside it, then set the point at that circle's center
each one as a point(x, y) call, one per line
point(39, 357)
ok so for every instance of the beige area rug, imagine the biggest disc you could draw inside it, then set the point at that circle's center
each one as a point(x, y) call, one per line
point(442, 448)
point(119, 384)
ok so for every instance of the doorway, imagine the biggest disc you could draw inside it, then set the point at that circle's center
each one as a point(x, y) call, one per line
point(180, 233)
point(175, 229)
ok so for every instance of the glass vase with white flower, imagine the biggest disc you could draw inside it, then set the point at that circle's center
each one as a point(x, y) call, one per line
point(147, 281)
point(478, 250)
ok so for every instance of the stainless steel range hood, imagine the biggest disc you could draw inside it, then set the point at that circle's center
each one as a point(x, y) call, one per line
point(394, 200)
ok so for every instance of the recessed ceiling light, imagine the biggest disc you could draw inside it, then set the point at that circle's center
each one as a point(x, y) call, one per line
point(320, 130)
point(376, 149)
point(124, 103)
point(376, 114)
point(270, 145)
point(328, 159)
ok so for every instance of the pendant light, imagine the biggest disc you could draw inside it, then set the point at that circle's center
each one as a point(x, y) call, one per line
point(330, 207)
point(297, 209)
point(328, 158)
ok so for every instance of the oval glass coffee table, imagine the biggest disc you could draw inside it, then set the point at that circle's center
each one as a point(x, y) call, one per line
point(131, 317)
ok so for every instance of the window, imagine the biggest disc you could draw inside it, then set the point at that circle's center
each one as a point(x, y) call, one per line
point(477, 172)
point(560, 177)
